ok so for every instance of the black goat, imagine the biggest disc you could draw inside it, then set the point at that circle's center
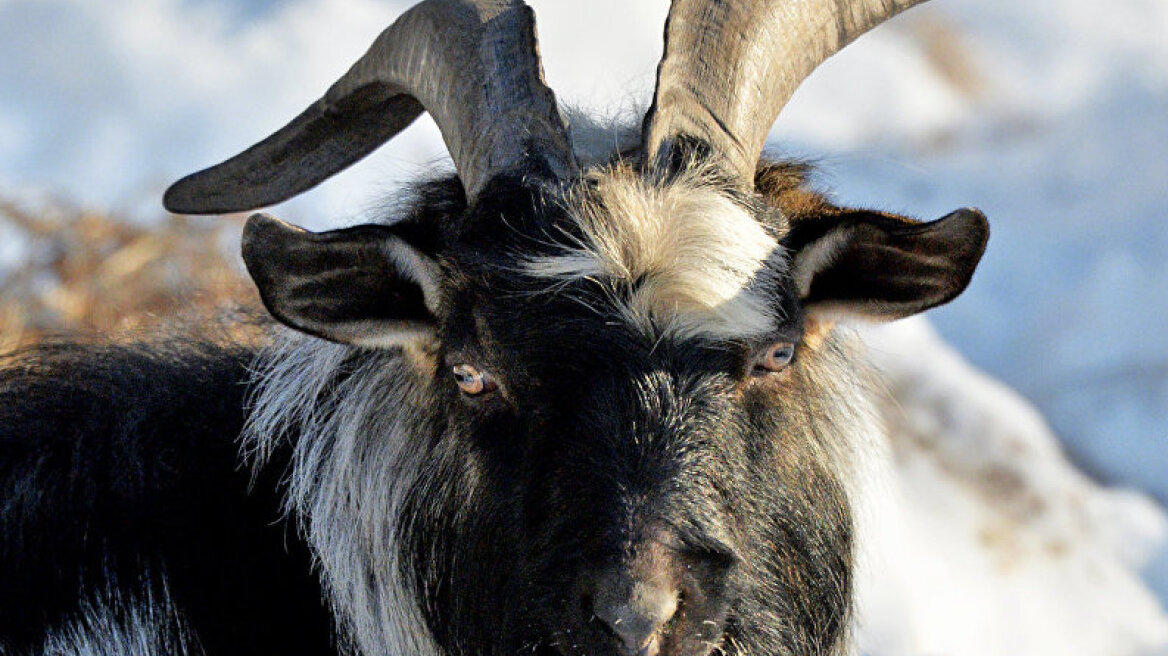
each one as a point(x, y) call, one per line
point(566, 404)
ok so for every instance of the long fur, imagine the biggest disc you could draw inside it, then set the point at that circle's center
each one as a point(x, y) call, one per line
point(120, 620)
point(356, 420)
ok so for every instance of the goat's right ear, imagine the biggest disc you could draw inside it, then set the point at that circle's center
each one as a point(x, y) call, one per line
point(365, 285)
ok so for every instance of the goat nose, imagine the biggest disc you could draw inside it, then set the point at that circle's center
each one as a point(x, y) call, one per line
point(635, 611)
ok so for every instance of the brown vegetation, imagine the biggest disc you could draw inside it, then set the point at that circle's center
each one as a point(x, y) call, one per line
point(88, 274)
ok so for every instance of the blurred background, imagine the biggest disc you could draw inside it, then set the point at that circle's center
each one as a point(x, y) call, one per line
point(1049, 115)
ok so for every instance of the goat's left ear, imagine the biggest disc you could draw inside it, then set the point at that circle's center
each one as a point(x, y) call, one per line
point(882, 266)
point(364, 285)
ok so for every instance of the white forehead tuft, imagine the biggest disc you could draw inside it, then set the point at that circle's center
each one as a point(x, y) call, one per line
point(680, 257)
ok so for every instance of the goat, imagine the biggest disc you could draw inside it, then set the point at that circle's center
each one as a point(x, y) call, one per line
point(563, 404)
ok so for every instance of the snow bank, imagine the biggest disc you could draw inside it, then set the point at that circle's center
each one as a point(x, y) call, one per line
point(988, 541)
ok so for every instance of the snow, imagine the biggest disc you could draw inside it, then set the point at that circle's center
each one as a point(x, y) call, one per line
point(12, 249)
point(989, 541)
point(1047, 114)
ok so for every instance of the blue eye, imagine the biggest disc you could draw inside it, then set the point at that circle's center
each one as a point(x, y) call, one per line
point(472, 381)
point(777, 356)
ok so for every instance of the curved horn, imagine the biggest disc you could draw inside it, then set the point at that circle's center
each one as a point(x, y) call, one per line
point(730, 66)
point(473, 64)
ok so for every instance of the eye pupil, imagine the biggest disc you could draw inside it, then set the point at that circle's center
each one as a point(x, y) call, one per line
point(472, 381)
point(778, 357)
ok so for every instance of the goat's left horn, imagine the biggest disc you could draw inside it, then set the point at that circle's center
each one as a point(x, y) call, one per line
point(730, 66)
point(473, 64)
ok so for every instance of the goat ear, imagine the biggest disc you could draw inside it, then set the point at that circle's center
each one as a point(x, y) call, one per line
point(883, 266)
point(363, 285)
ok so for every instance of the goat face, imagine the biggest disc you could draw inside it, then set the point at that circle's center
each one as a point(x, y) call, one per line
point(631, 436)
point(625, 431)
point(640, 447)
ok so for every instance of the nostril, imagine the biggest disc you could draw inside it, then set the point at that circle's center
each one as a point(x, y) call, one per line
point(635, 612)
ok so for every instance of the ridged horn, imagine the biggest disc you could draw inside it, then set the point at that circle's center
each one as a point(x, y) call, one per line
point(729, 66)
point(473, 64)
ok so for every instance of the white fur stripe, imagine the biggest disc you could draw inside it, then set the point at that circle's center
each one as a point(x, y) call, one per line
point(680, 257)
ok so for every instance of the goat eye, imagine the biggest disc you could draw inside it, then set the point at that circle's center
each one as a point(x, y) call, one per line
point(777, 357)
point(472, 381)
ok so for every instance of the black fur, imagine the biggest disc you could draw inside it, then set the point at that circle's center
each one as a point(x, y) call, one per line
point(119, 467)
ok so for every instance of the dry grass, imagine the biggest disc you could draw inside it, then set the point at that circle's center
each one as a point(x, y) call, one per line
point(88, 275)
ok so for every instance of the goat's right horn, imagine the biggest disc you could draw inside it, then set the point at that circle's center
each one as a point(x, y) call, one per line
point(473, 64)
